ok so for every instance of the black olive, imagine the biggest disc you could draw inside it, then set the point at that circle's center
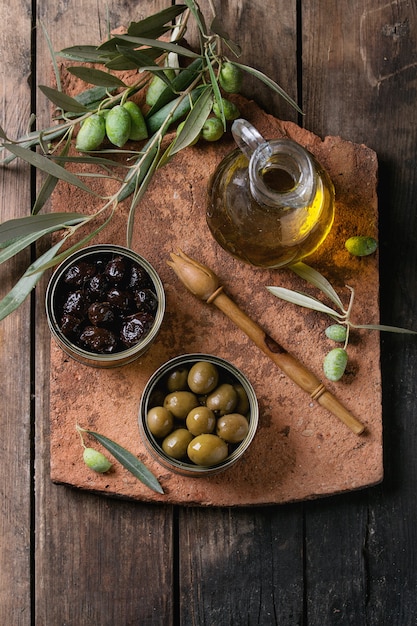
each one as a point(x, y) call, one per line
point(79, 273)
point(135, 327)
point(115, 270)
point(75, 304)
point(98, 340)
point(97, 286)
point(138, 278)
point(119, 298)
point(101, 314)
point(70, 324)
point(146, 300)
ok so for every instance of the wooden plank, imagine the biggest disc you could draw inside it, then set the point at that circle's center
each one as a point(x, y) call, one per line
point(241, 566)
point(15, 374)
point(267, 35)
point(246, 566)
point(356, 77)
point(95, 558)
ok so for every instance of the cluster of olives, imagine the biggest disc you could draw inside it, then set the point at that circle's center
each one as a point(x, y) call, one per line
point(199, 414)
point(105, 303)
point(124, 122)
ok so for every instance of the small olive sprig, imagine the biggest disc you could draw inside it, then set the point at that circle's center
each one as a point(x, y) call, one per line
point(193, 95)
point(98, 462)
point(335, 361)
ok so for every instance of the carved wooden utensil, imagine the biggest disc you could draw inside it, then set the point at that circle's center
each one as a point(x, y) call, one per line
point(204, 284)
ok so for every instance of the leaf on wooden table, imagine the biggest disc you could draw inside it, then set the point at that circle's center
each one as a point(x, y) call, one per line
point(48, 166)
point(63, 101)
point(14, 298)
point(154, 24)
point(22, 226)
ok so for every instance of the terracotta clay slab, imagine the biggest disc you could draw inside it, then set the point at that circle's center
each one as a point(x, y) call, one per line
point(300, 451)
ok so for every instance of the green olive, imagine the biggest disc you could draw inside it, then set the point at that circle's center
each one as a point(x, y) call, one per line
point(160, 421)
point(157, 86)
point(203, 377)
point(243, 405)
point(118, 125)
point(212, 129)
point(138, 128)
point(180, 403)
point(361, 245)
point(91, 133)
point(230, 77)
point(177, 380)
point(200, 420)
point(96, 461)
point(233, 427)
point(230, 110)
point(207, 450)
point(176, 443)
point(223, 399)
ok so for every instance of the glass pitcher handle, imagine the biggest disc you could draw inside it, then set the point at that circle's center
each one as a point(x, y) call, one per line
point(246, 137)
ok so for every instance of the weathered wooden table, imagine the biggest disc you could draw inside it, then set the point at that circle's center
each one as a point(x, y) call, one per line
point(74, 558)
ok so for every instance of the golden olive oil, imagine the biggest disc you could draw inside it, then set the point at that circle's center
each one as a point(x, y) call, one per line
point(274, 234)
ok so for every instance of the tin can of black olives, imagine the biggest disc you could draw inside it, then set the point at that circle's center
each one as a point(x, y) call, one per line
point(105, 305)
point(198, 415)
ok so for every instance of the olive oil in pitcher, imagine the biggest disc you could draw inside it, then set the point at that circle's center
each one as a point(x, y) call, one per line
point(270, 202)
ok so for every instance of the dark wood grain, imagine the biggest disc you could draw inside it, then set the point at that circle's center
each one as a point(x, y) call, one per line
point(97, 561)
point(77, 559)
point(15, 340)
point(356, 82)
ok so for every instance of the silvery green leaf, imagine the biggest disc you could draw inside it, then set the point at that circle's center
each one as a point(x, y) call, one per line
point(63, 101)
point(152, 25)
point(160, 45)
point(22, 226)
point(84, 54)
point(382, 327)
point(302, 300)
point(14, 298)
point(270, 83)
point(48, 166)
point(96, 77)
point(317, 280)
point(193, 124)
point(129, 462)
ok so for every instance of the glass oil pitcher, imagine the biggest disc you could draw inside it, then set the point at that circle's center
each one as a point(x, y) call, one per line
point(270, 202)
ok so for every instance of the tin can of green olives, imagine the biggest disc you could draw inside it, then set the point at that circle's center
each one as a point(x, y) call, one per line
point(105, 305)
point(198, 415)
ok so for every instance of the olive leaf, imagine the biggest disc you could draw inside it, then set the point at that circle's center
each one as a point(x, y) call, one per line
point(295, 297)
point(152, 26)
point(317, 280)
point(193, 124)
point(198, 16)
point(269, 83)
point(63, 101)
point(23, 226)
point(49, 184)
point(14, 298)
point(48, 166)
point(129, 461)
point(93, 96)
point(95, 77)
point(166, 46)
point(84, 54)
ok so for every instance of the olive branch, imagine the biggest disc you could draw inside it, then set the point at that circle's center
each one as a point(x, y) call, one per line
point(335, 361)
point(147, 49)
